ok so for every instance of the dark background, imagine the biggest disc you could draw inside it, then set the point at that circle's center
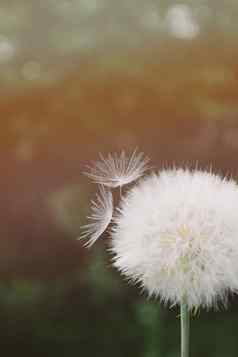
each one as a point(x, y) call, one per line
point(81, 77)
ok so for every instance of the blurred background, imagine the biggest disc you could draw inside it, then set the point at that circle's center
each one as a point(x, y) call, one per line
point(79, 77)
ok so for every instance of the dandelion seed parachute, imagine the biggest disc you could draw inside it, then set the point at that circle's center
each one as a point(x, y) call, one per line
point(176, 234)
point(102, 210)
point(118, 170)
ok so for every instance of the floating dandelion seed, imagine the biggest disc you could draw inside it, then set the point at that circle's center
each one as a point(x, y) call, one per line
point(118, 170)
point(102, 209)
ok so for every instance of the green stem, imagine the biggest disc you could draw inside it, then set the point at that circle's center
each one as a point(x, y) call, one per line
point(184, 318)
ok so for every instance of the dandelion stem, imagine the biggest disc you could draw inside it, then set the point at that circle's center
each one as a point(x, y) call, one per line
point(184, 318)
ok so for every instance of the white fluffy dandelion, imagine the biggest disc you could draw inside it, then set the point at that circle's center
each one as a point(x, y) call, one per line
point(100, 218)
point(176, 234)
point(118, 170)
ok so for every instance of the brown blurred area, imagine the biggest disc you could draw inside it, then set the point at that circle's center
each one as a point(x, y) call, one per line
point(178, 104)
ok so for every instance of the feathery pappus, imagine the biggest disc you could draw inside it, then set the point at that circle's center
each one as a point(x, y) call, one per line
point(175, 232)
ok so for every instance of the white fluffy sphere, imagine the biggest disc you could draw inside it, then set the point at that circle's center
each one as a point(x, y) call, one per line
point(176, 233)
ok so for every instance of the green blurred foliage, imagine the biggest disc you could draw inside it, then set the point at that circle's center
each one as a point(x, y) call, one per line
point(96, 313)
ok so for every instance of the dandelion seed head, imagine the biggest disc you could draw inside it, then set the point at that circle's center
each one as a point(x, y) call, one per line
point(100, 218)
point(118, 169)
point(176, 234)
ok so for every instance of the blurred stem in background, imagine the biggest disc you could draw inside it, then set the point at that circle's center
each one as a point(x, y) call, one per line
point(149, 316)
point(185, 326)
